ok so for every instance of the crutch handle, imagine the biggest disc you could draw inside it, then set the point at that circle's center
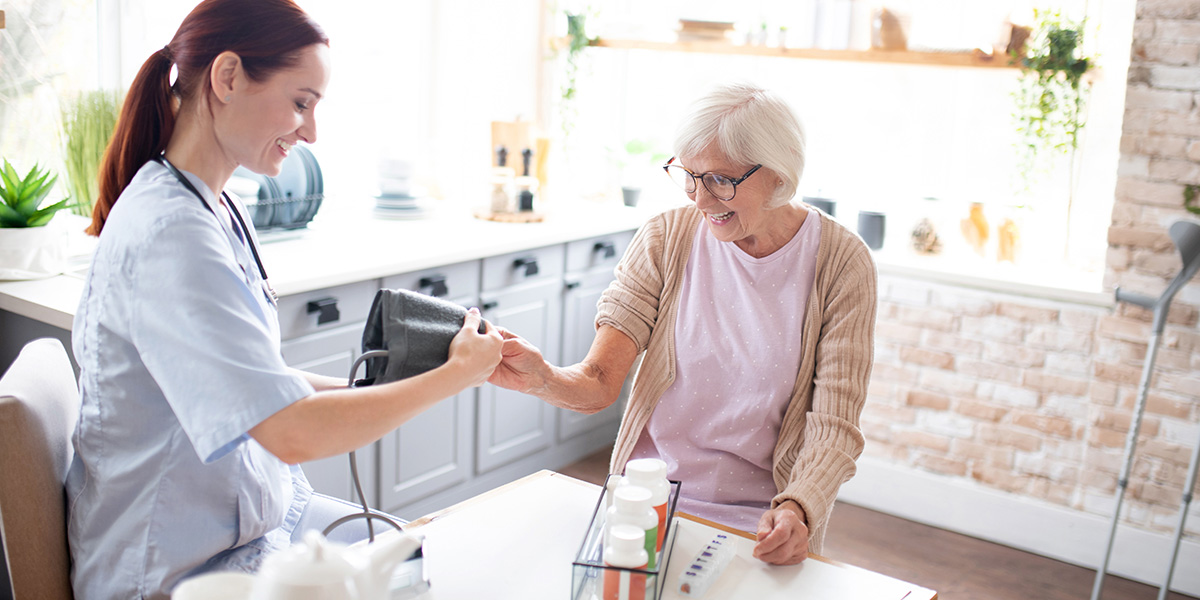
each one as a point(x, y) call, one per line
point(1141, 300)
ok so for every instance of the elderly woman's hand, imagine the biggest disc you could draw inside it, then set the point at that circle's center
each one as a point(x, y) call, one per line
point(522, 367)
point(782, 535)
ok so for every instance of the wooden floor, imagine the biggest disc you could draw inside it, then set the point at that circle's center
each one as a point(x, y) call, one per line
point(958, 567)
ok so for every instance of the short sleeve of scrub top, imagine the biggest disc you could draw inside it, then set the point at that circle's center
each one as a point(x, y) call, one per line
point(209, 336)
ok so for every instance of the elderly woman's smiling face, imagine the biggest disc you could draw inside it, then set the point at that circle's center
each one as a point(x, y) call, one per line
point(746, 219)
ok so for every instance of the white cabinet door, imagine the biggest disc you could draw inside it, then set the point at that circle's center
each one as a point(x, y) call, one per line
point(433, 451)
point(579, 316)
point(513, 425)
point(332, 353)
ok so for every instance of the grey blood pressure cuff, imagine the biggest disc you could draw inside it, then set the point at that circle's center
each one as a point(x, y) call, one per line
point(414, 329)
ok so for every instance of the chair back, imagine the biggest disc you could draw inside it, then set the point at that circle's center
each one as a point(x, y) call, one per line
point(39, 406)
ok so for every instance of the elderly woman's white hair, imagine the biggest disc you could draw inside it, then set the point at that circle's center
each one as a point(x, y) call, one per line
point(749, 125)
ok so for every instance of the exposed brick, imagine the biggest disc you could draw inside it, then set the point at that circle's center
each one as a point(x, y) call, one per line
point(1172, 382)
point(1014, 354)
point(1053, 470)
point(1106, 438)
point(1139, 237)
point(989, 370)
point(1156, 263)
point(893, 373)
point(1156, 493)
point(1193, 150)
point(1174, 169)
point(931, 318)
point(1068, 363)
point(905, 292)
point(999, 478)
point(940, 464)
point(1141, 96)
point(1117, 373)
point(982, 453)
point(1123, 328)
point(1175, 78)
point(1007, 437)
point(1187, 341)
point(993, 327)
point(1105, 462)
point(889, 414)
point(1119, 421)
point(1118, 257)
point(928, 400)
point(1022, 312)
point(1173, 30)
point(1055, 384)
point(935, 340)
point(1078, 320)
point(980, 410)
point(1153, 193)
point(963, 304)
point(886, 451)
point(1175, 123)
point(1057, 338)
point(922, 439)
point(952, 383)
point(1161, 405)
point(931, 358)
point(1172, 53)
point(1103, 393)
point(876, 432)
point(946, 423)
point(1098, 480)
point(897, 332)
point(1042, 423)
point(1132, 165)
point(1009, 395)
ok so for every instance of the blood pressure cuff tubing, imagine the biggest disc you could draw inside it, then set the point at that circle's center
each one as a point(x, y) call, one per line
point(414, 329)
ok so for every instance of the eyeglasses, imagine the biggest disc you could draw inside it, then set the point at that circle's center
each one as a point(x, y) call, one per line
point(720, 186)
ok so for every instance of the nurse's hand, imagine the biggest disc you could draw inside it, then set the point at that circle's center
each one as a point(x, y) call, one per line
point(523, 368)
point(477, 354)
point(782, 535)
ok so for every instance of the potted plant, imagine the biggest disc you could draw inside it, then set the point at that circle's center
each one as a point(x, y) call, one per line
point(88, 121)
point(577, 40)
point(29, 249)
point(636, 158)
point(1050, 100)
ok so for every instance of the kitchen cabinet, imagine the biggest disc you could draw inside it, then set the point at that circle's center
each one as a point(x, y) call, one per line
point(434, 451)
point(322, 333)
point(521, 292)
point(589, 267)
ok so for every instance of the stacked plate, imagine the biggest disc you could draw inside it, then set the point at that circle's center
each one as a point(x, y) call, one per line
point(289, 200)
point(400, 206)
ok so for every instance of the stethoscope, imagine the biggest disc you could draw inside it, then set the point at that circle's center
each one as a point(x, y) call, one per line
point(245, 231)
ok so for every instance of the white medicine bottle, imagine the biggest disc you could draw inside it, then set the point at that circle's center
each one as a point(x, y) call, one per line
point(631, 506)
point(623, 548)
point(651, 473)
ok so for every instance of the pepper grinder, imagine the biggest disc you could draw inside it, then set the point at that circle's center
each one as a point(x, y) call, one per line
point(526, 185)
point(502, 183)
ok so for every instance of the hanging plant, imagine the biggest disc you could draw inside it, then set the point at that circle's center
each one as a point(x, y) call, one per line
point(577, 41)
point(1049, 103)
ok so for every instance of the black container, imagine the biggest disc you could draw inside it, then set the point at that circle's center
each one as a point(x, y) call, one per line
point(826, 205)
point(871, 228)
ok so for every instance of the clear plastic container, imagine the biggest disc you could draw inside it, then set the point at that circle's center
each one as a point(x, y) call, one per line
point(587, 571)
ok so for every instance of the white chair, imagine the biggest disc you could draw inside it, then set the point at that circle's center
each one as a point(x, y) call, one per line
point(39, 405)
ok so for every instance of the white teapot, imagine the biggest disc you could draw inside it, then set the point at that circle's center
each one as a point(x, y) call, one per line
point(315, 570)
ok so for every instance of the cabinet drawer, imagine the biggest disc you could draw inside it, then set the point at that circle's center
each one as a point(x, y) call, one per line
point(514, 269)
point(351, 301)
point(599, 252)
point(452, 281)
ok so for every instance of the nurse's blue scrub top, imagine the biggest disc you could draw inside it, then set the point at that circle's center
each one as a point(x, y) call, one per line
point(178, 347)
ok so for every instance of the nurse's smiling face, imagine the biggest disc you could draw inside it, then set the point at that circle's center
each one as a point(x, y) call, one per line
point(262, 120)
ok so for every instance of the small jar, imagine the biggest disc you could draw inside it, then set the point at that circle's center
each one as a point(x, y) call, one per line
point(651, 473)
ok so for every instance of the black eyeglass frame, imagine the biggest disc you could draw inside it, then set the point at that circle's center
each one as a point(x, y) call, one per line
point(734, 182)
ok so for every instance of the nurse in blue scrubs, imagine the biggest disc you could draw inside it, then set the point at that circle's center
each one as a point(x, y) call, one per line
point(192, 425)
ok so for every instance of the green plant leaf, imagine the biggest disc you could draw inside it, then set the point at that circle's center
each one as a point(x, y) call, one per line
point(44, 215)
point(8, 217)
point(35, 195)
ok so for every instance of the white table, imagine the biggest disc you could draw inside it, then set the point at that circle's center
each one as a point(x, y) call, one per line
point(518, 541)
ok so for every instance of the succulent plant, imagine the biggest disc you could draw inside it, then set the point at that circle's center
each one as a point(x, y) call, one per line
point(20, 198)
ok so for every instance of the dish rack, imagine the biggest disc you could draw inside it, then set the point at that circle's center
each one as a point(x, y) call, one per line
point(289, 200)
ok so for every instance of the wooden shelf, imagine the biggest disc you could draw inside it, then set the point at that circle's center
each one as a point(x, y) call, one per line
point(940, 59)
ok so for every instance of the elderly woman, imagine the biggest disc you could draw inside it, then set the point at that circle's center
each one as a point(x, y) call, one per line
point(756, 315)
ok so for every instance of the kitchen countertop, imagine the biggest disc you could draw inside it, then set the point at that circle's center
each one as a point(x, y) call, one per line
point(349, 245)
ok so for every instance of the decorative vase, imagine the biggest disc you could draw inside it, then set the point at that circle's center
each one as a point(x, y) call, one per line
point(630, 195)
point(975, 228)
point(871, 227)
point(32, 252)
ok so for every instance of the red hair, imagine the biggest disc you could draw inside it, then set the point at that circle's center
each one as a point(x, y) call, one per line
point(266, 34)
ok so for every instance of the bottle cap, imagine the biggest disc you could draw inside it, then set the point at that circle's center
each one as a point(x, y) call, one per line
point(644, 469)
point(626, 539)
point(632, 499)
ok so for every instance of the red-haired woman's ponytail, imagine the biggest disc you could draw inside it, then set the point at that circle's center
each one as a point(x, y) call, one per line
point(142, 132)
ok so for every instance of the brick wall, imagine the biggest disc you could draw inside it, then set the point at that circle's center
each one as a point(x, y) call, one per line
point(1035, 397)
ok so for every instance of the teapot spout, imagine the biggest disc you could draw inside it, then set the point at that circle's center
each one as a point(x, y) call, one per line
point(383, 558)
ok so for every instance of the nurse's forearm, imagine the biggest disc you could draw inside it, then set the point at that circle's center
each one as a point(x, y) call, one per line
point(321, 382)
point(336, 421)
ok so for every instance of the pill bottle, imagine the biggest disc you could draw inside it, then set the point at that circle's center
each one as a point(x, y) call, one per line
point(631, 506)
point(651, 473)
point(623, 548)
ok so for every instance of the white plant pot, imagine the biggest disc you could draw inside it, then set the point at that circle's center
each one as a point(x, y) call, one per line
point(32, 252)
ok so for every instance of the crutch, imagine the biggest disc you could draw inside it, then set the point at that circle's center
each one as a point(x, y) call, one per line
point(1186, 236)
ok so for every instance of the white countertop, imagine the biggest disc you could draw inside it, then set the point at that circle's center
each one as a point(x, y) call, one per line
point(348, 245)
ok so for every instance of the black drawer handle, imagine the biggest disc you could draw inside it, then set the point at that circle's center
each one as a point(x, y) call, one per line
point(326, 309)
point(489, 305)
point(573, 284)
point(608, 248)
point(529, 264)
point(436, 284)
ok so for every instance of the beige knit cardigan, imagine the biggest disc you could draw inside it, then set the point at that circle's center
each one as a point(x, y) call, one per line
point(819, 439)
